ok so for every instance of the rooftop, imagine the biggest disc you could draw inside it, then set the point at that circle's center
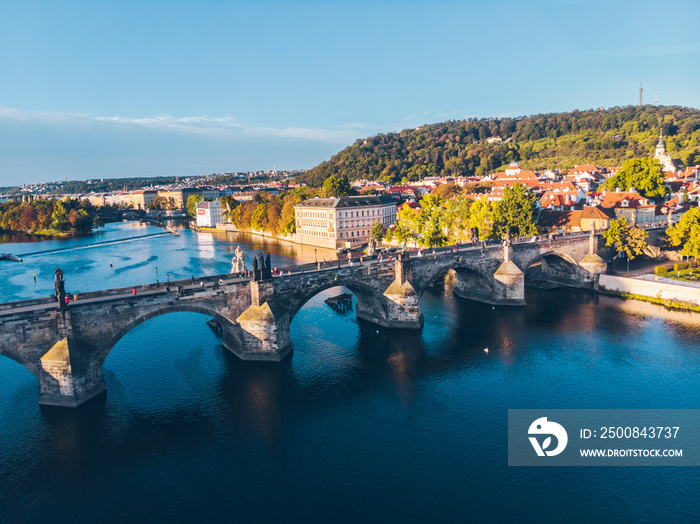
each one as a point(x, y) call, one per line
point(347, 201)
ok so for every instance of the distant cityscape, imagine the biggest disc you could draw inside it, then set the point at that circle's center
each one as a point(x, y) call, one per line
point(567, 201)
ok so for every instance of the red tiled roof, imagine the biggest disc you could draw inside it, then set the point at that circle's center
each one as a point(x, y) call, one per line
point(614, 199)
point(594, 212)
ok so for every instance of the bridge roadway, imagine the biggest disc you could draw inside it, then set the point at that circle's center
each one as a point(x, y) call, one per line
point(66, 346)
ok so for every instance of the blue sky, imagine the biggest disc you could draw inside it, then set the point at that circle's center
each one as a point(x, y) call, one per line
point(146, 88)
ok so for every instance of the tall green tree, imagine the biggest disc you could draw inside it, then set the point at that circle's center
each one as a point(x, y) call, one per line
point(378, 232)
point(406, 225)
point(336, 186)
point(645, 175)
point(481, 219)
point(687, 233)
point(191, 205)
point(431, 222)
point(457, 219)
point(59, 217)
point(514, 216)
point(625, 239)
point(260, 220)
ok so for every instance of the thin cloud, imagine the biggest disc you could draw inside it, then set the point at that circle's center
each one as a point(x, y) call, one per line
point(342, 134)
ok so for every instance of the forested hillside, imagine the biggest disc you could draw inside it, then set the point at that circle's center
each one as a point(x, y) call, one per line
point(555, 140)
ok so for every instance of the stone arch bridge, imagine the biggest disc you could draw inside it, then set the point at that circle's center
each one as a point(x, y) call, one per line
point(65, 346)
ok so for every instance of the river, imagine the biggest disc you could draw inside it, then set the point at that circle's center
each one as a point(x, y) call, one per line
point(360, 424)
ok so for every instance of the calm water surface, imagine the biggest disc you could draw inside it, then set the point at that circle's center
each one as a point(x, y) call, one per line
point(360, 424)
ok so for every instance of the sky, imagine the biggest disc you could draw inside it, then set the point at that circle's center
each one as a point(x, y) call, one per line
point(101, 89)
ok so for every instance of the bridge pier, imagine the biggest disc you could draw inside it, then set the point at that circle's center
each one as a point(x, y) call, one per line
point(70, 373)
point(403, 303)
point(509, 282)
point(592, 263)
point(265, 334)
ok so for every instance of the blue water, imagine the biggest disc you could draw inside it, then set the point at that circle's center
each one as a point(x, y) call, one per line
point(360, 424)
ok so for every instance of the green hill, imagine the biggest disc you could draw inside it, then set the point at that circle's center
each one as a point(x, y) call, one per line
point(605, 137)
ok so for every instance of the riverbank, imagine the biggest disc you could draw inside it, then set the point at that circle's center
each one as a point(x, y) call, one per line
point(674, 296)
point(667, 303)
point(228, 228)
point(47, 233)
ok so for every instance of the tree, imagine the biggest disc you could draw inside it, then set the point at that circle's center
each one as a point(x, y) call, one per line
point(687, 233)
point(59, 217)
point(160, 203)
point(80, 220)
point(377, 232)
point(625, 238)
point(389, 234)
point(336, 186)
point(192, 202)
point(431, 221)
point(29, 218)
point(514, 216)
point(457, 219)
point(645, 175)
point(259, 219)
point(454, 166)
point(692, 158)
point(405, 225)
point(228, 204)
point(447, 191)
point(481, 219)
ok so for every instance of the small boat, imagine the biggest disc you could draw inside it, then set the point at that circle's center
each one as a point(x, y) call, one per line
point(8, 256)
point(486, 350)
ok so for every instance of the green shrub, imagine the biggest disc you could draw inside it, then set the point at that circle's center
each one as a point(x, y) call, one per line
point(660, 270)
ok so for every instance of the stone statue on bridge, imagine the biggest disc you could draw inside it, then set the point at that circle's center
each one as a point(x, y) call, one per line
point(262, 268)
point(238, 262)
point(267, 273)
point(59, 286)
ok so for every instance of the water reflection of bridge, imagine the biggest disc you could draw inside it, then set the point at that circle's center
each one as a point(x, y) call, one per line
point(65, 346)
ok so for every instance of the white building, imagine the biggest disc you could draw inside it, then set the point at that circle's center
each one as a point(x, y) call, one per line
point(209, 213)
point(341, 222)
point(660, 154)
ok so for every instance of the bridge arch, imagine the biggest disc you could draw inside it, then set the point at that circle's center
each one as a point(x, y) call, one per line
point(555, 267)
point(227, 325)
point(549, 254)
point(368, 297)
point(465, 271)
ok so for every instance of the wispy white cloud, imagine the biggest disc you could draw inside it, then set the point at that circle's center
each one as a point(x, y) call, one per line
point(342, 134)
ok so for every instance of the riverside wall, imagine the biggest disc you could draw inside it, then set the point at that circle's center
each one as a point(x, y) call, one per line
point(650, 288)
